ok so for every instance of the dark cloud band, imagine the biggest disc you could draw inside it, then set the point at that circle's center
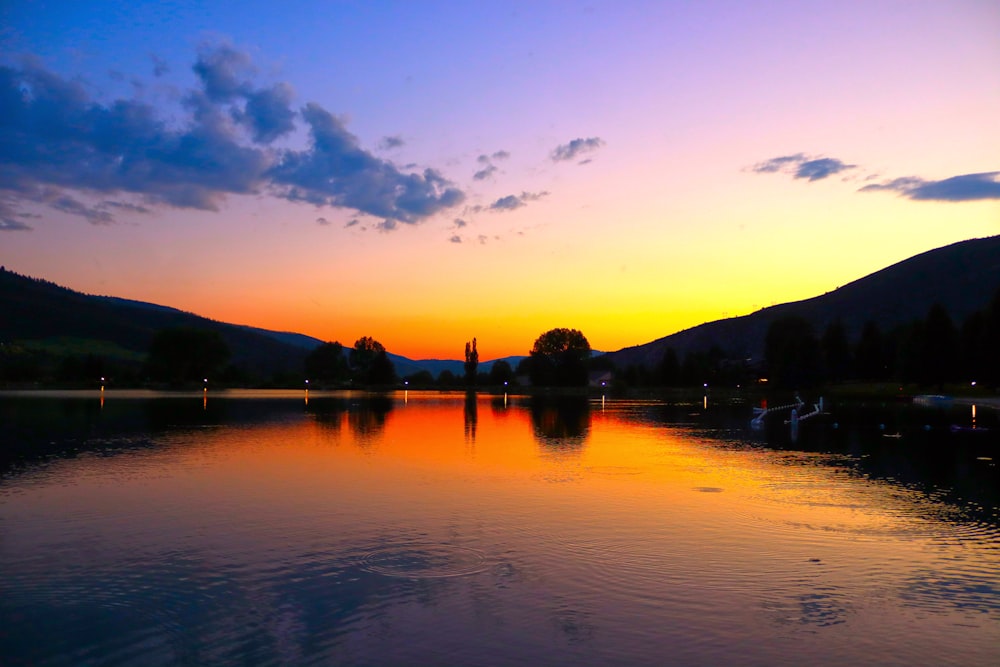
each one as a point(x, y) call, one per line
point(58, 146)
point(967, 187)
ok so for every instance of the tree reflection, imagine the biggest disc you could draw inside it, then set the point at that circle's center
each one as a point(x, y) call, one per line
point(367, 418)
point(560, 424)
point(328, 412)
point(471, 416)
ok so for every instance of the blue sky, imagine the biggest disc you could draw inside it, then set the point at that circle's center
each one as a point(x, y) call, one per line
point(429, 172)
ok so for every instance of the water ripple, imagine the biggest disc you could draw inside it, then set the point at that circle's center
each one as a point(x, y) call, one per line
point(424, 561)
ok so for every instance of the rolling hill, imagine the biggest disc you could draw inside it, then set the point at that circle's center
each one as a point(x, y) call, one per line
point(962, 277)
point(44, 316)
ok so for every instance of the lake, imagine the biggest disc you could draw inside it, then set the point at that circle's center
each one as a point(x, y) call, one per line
point(276, 528)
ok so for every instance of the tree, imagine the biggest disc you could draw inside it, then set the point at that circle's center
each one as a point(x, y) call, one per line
point(421, 378)
point(370, 363)
point(186, 354)
point(869, 355)
point(560, 358)
point(836, 352)
point(668, 371)
point(327, 363)
point(501, 372)
point(990, 352)
point(471, 362)
point(939, 356)
point(792, 352)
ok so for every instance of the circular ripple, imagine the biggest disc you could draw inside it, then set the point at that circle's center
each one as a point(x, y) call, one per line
point(424, 561)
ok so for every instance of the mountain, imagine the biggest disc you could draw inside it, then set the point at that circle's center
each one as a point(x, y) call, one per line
point(49, 317)
point(962, 277)
point(45, 316)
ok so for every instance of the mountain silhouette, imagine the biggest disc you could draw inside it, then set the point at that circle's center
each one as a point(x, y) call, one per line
point(962, 277)
point(43, 314)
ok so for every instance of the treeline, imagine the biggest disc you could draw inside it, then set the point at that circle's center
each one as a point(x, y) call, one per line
point(932, 351)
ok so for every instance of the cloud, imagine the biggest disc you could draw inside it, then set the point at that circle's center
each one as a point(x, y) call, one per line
point(576, 147)
point(351, 223)
point(336, 171)
point(512, 202)
point(268, 113)
point(94, 214)
point(455, 238)
point(57, 143)
point(220, 67)
point(12, 225)
point(483, 174)
point(821, 168)
point(489, 169)
point(322, 221)
point(777, 164)
point(966, 187)
point(9, 218)
point(389, 143)
point(160, 66)
point(124, 206)
point(800, 166)
point(459, 223)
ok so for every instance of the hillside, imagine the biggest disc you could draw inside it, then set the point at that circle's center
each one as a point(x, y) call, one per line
point(43, 315)
point(57, 320)
point(962, 277)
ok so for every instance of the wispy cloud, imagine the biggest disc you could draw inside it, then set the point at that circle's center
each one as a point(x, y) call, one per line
point(390, 142)
point(488, 167)
point(967, 187)
point(800, 166)
point(13, 225)
point(576, 147)
point(485, 173)
point(56, 138)
point(160, 66)
point(512, 202)
point(10, 219)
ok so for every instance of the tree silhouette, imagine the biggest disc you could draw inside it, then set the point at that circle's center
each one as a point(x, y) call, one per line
point(939, 346)
point(792, 352)
point(836, 352)
point(501, 372)
point(869, 354)
point(370, 363)
point(559, 358)
point(471, 362)
point(669, 369)
point(327, 363)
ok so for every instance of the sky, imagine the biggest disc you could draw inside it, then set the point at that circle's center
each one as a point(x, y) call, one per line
point(429, 172)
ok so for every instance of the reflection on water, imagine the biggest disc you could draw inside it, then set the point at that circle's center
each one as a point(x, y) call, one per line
point(257, 528)
point(561, 424)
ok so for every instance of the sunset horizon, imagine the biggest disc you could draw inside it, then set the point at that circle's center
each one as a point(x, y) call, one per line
point(427, 173)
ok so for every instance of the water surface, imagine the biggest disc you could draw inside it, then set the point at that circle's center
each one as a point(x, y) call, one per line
point(426, 529)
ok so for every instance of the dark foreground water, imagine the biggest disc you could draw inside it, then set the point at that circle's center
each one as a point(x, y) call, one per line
point(427, 529)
